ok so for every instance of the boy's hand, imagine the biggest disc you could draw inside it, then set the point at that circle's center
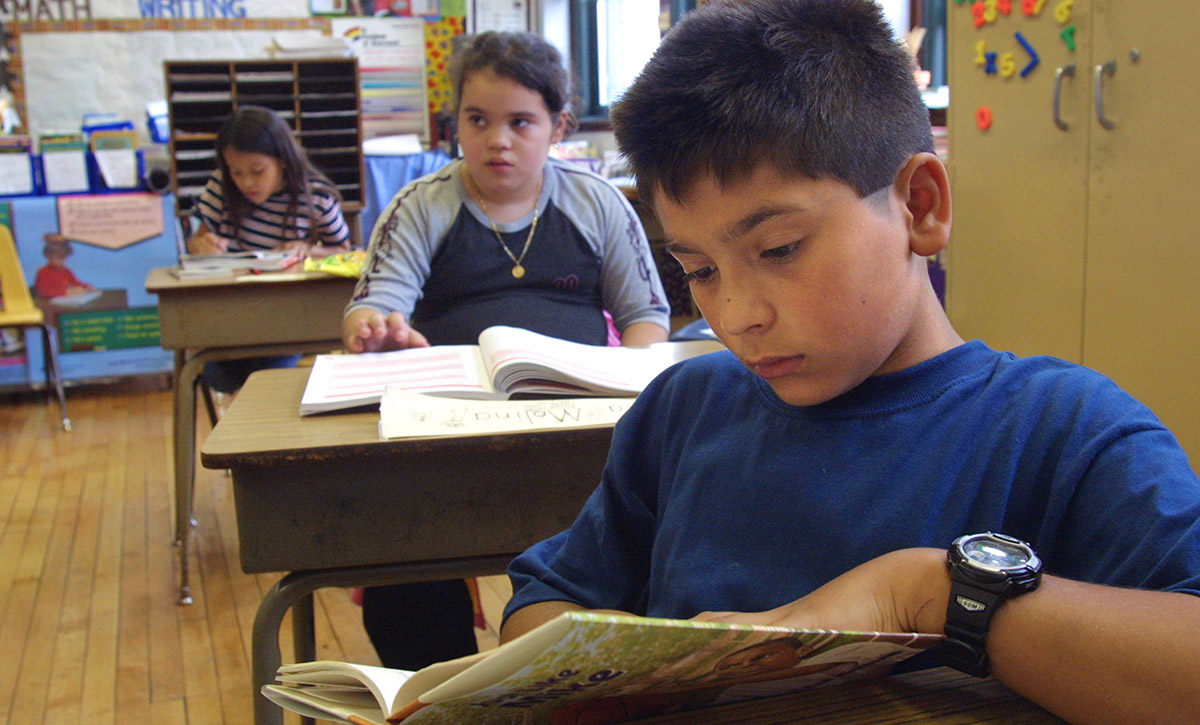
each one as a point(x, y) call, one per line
point(903, 591)
point(366, 330)
point(206, 241)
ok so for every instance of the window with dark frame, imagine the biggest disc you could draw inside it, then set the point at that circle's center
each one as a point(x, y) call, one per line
point(605, 62)
point(605, 58)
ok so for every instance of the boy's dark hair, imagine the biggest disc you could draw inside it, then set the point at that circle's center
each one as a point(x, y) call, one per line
point(258, 130)
point(819, 88)
point(524, 58)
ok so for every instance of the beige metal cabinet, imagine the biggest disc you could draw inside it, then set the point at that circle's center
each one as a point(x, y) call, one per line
point(1077, 220)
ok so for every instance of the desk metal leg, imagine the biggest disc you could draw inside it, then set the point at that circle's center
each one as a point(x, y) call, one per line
point(54, 374)
point(187, 373)
point(304, 636)
point(189, 365)
point(299, 585)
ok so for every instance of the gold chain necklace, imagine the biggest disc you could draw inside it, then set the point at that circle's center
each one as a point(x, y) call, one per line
point(518, 270)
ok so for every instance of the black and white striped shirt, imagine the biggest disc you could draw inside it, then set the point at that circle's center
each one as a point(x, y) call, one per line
point(265, 225)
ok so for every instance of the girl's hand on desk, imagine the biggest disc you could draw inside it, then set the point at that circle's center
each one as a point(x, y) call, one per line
point(321, 251)
point(206, 241)
point(304, 248)
point(366, 330)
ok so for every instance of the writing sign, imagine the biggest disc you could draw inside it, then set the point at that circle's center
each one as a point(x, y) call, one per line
point(112, 221)
point(109, 330)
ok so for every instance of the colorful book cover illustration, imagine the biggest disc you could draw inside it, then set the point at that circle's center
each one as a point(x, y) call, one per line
point(597, 668)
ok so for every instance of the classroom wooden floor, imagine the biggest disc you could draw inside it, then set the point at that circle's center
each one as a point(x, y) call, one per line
point(89, 628)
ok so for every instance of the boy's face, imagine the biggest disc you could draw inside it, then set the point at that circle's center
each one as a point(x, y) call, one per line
point(813, 288)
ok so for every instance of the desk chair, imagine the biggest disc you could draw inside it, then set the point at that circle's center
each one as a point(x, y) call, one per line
point(19, 311)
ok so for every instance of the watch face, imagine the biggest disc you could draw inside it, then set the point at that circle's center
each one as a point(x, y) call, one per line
point(995, 553)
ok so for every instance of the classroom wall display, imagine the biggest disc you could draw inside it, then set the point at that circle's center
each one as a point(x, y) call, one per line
point(109, 327)
point(509, 15)
point(391, 73)
point(439, 40)
point(48, 65)
point(57, 10)
point(112, 221)
point(58, 91)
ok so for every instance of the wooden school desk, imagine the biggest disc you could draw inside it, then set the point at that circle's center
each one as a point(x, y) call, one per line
point(940, 695)
point(323, 498)
point(275, 313)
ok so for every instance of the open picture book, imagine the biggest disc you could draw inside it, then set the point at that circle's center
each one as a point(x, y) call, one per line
point(595, 668)
point(506, 362)
point(206, 266)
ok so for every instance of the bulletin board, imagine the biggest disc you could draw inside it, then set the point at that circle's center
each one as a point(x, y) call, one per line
point(63, 81)
point(113, 331)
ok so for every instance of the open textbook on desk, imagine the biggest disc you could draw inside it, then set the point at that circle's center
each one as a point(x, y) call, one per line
point(208, 266)
point(506, 362)
point(595, 668)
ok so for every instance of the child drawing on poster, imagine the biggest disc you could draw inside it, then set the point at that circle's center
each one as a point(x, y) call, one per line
point(55, 279)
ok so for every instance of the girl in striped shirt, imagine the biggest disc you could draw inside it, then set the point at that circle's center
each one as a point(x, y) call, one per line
point(277, 198)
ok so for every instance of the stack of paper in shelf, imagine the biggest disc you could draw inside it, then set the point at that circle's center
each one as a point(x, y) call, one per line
point(16, 165)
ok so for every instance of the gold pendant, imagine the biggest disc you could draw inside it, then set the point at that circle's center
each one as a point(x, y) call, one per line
point(518, 271)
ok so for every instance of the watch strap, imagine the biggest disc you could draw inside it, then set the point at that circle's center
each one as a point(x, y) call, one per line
point(967, 617)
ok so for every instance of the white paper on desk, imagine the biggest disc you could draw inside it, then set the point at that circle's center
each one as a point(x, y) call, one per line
point(403, 414)
point(118, 167)
point(79, 299)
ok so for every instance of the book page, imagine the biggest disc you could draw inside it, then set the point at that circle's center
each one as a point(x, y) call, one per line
point(321, 704)
point(79, 299)
point(16, 173)
point(118, 167)
point(273, 259)
point(522, 361)
point(342, 687)
point(404, 414)
point(348, 381)
point(65, 171)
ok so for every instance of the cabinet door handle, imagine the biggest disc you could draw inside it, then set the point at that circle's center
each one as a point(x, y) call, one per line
point(1065, 70)
point(1098, 73)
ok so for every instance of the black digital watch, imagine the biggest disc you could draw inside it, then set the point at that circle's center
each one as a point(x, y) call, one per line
point(985, 569)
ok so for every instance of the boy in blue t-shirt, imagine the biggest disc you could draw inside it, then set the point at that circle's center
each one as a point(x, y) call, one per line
point(815, 474)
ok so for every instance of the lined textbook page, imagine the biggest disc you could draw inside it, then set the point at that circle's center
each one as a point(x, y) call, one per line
point(507, 361)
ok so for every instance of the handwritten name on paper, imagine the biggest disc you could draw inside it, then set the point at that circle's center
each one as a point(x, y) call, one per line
point(411, 415)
